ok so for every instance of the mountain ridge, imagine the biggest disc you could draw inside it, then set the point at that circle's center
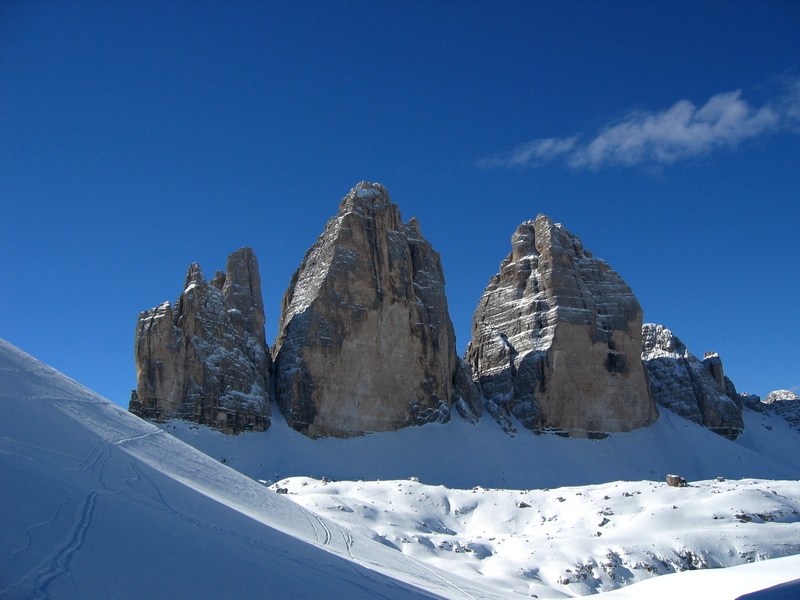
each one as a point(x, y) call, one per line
point(366, 344)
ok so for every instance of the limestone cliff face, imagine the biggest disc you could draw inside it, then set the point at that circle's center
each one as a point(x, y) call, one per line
point(365, 340)
point(556, 339)
point(205, 359)
point(695, 390)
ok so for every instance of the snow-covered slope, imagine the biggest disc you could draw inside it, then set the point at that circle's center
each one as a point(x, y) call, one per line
point(620, 529)
point(571, 541)
point(767, 580)
point(460, 455)
point(98, 503)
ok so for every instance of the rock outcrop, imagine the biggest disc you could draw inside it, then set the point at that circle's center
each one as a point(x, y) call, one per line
point(753, 402)
point(466, 395)
point(365, 341)
point(786, 404)
point(206, 359)
point(556, 339)
point(695, 390)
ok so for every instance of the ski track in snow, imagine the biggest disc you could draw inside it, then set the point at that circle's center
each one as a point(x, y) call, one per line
point(39, 579)
point(308, 514)
point(36, 583)
point(327, 539)
point(28, 539)
point(134, 438)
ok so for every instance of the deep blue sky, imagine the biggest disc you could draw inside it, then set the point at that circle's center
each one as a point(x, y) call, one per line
point(136, 138)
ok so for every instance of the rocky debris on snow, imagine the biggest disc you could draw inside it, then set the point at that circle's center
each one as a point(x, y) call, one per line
point(206, 359)
point(676, 481)
point(556, 339)
point(786, 404)
point(365, 341)
point(695, 390)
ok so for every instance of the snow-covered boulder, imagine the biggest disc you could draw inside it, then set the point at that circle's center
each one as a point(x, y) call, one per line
point(556, 339)
point(206, 359)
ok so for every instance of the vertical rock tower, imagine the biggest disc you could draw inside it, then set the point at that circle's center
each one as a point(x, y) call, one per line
point(206, 359)
point(557, 339)
point(365, 341)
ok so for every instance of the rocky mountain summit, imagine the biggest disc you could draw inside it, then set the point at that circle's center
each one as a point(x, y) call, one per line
point(556, 339)
point(206, 359)
point(786, 404)
point(696, 390)
point(365, 340)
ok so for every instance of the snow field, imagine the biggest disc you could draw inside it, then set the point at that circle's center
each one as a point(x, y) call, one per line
point(98, 503)
point(460, 455)
point(566, 541)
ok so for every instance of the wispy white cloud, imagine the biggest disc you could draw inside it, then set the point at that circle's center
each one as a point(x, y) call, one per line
point(680, 132)
point(533, 153)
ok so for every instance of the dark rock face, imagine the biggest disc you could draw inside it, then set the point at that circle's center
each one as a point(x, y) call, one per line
point(753, 402)
point(556, 339)
point(205, 359)
point(786, 404)
point(466, 395)
point(365, 340)
point(695, 390)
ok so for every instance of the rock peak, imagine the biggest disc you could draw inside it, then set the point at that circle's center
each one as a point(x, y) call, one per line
point(194, 276)
point(786, 404)
point(523, 242)
point(363, 188)
point(366, 197)
point(694, 389)
point(556, 339)
point(205, 359)
point(365, 341)
point(781, 396)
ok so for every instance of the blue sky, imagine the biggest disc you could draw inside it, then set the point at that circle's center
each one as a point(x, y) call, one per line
point(138, 137)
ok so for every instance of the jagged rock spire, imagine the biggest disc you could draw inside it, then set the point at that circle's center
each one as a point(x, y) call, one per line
point(206, 358)
point(365, 341)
